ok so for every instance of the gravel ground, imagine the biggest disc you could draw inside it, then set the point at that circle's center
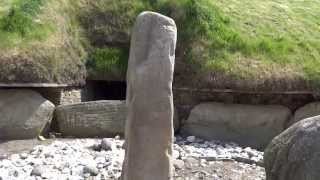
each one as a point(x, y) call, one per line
point(76, 159)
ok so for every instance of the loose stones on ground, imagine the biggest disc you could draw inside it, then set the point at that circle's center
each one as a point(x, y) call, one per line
point(96, 159)
point(62, 160)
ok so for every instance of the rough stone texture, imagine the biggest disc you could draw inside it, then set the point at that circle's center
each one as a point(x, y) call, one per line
point(82, 119)
point(70, 96)
point(91, 119)
point(248, 125)
point(61, 95)
point(294, 154)
point(149, 127)
point(23, 114)
point(309, 110)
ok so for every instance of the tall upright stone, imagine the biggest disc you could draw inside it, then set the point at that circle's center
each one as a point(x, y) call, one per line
point(149, 126)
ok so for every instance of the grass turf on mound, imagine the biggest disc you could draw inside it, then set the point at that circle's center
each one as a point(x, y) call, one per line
point(224, 44)
point(248, 45)
point(282, 38)
point(40, 42)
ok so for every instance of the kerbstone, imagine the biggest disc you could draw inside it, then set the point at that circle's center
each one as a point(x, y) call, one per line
point(149, 126)
point(294, 154)
point(308, 110)
point(23, 114)
point(247, 125)
point(105, 118)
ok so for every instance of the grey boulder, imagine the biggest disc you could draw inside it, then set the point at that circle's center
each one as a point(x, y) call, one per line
point(309, 110)
point(247, 125)
point(23, 114)
point(92, 119)
point(294, 154)
point(105, 118)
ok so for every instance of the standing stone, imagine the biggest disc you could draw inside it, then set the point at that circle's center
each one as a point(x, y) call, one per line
point(149, 126)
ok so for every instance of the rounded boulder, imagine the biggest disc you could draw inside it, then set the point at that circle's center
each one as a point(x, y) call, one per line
point(294, 154)
point(23, 114)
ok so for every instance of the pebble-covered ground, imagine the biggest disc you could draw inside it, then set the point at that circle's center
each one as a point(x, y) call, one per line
point(102, 159)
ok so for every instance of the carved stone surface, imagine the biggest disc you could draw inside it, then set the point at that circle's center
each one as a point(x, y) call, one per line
point(23, 114)
point(92, 119)
point(149, 127)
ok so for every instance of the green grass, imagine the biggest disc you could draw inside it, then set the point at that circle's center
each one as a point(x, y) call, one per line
point(280, 32)
point(20, 17)
point(224, 35)
point(107, 26)
point(266, 41)
point(19, 22)
point(40, 43)
point(108, 60)
point(250, 41)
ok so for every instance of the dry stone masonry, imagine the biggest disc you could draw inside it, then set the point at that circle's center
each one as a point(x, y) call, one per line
point(70, 96)
point(149, 126)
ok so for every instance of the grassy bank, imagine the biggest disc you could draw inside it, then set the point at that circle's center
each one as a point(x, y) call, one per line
point(226, 44)
point(283, 38)
point(270, 45)
point(39, 42)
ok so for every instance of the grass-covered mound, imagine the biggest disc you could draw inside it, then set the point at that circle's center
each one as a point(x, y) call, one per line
point(249, 44)
point(107, 25)
point(40, 42)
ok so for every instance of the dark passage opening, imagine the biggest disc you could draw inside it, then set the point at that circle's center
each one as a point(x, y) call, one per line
point(104, 90)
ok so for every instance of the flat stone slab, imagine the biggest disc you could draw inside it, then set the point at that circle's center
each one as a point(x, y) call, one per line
point(92, 119)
